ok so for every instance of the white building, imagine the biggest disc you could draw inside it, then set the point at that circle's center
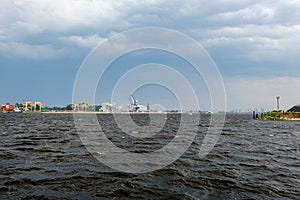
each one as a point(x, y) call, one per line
point(109, 107)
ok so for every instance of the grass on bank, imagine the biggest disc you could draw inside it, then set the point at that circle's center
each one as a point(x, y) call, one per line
point(273, 115)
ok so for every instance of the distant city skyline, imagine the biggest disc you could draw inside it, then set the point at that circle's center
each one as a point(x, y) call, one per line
point(255, 45)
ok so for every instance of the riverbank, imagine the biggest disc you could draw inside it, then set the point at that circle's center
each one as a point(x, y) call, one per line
point(292, 116)
point(280, 116)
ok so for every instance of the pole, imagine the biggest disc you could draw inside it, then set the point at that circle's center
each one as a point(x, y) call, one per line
point(277, 102)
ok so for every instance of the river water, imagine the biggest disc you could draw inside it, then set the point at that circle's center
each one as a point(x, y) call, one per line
point(42, 157)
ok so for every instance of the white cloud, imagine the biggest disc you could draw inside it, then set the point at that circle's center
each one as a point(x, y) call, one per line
point(105, 16)
point(2, 36)
point(250, 14)
point(254, 42)
point(267, 27)
point(66, 16)
point(251, 30)
point(86, 42)
point(28, 27)
point(22, 50)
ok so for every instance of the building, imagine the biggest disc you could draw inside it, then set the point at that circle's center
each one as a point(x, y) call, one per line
point(110, 107)
point(7, 108)
point(83, 107)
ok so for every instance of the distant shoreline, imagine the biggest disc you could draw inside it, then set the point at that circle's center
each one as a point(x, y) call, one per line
point(95, 112)
point(110, 112)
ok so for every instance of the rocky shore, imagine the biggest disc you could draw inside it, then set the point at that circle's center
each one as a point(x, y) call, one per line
point(293, 116)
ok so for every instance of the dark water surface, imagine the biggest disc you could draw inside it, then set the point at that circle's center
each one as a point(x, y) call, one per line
point(42, 157)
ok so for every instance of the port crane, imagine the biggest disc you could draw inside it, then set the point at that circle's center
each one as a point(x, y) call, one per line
point(136, 107)
point(134, 103)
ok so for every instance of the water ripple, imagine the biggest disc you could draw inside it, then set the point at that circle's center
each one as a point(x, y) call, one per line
point(42, 157)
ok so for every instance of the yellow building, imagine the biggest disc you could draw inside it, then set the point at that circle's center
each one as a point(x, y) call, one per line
point(28, 106)
point(38, 106)
point(33, 107)
point(80, 107)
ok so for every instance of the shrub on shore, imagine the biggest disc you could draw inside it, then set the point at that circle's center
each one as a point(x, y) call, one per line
point(273, 115)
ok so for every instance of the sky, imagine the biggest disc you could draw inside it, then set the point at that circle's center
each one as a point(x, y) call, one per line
point(255, 45)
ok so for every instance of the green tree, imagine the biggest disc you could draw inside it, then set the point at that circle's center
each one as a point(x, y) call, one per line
point(97, 107)
point(69, 107)
point(37, 108)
